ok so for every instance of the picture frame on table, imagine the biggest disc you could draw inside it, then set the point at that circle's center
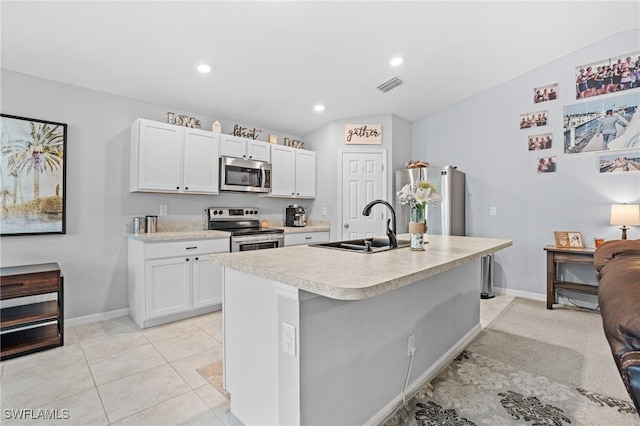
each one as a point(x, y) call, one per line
point(568, 239)
point(33, 176)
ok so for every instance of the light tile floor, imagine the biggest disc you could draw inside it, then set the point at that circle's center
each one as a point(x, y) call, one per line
point(113, 373)
point(491, 308)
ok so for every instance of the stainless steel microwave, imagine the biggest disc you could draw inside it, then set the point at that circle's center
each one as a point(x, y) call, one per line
point(240, 175)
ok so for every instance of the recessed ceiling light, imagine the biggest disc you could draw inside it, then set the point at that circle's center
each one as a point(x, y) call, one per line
point(203, 68)
point(318, 108)
point(396, 61)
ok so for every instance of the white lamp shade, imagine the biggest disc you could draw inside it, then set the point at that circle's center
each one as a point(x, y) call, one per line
point(625, 214)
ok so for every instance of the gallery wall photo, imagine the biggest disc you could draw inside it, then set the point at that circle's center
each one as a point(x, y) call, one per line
point(609, 75)
point(32, 176)
point(603, 124)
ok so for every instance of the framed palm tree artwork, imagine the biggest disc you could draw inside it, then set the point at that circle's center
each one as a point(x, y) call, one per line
point(32, 176)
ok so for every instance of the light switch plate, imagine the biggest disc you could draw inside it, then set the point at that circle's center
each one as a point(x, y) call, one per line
point(163, 209)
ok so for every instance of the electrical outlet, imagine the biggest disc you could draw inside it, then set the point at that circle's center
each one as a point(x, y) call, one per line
point(324, 211)
point(492, 211)
point(163, 209)
point(288, 339)
point(411, 345)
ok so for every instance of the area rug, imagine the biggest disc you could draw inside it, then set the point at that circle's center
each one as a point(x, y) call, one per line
point(212, 373)
point(478, 390)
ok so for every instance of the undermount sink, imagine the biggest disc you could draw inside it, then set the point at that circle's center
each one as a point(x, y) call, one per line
point(360, 245)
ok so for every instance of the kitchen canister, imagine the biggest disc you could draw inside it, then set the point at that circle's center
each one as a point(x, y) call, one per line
point(138, 225)
point(151, 224)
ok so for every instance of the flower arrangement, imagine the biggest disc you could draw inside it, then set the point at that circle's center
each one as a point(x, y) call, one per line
point(419, 194)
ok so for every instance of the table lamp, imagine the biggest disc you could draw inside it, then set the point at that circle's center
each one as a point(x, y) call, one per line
point(625, 214)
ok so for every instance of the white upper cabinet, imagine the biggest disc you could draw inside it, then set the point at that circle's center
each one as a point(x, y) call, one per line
point(293, 172)
point(248, 149)
point(200, 162)
point(173, 159)
point(305, 173)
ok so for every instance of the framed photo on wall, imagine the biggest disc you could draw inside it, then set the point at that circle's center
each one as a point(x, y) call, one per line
point(533, 119)
point(547, 164)
point(541, 141)
point(613, 74)
point(602, 124)
point(33, 176)
point(545, 93)
point(620, 162)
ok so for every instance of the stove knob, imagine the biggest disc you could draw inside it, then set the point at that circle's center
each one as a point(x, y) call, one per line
point(246, 212)
point(219, 211)
point(215, 212)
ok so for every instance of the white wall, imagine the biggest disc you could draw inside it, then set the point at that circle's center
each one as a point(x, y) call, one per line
point(328, 140)
point(93, 252)
point(482, 137)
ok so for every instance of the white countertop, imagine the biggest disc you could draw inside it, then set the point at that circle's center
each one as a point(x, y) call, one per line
point(303, 229)
point(180, 236)
point(340, 274)
point(181, 232)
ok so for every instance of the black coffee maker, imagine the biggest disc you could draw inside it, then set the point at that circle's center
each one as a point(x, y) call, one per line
point(295, 215)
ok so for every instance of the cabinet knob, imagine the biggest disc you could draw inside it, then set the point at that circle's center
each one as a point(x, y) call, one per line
point(187, 259)
point(346, 225)
point(196, 258)
point(186, 188)
point(251, 156)
point(177, 187)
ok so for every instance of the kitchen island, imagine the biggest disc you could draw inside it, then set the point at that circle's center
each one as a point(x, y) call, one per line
point(320, 336)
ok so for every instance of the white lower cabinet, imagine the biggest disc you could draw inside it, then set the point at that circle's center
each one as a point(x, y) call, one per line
point(306, 238)
point(169, 281)
point(167, 287)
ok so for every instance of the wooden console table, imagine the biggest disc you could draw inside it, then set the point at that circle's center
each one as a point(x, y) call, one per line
point(556, 255)
point(31, 326)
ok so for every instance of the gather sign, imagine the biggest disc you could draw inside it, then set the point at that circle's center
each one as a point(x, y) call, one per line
point(363, 134)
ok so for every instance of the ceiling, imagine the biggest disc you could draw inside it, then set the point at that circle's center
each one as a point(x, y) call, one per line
point(273, 61)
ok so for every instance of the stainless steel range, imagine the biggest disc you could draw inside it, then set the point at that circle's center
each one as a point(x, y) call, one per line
point(244, 226)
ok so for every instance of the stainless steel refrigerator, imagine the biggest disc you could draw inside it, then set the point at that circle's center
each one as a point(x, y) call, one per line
point(449, 217)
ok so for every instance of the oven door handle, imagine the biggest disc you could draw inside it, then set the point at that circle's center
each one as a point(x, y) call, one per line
point(258, 239)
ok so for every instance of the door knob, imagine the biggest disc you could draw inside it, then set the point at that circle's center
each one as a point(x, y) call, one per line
point(346, 225)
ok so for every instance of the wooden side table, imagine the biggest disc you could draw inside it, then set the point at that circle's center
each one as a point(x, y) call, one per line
point(556, 255)
point(30, 327)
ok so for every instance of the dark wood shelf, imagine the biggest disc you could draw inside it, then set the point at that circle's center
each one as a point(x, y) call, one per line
point(29, 340)
point(29, 314)
point(31, 327)
point(580, 288)
point(555, 256)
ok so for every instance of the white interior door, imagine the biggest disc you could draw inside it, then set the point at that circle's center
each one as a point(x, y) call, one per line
point(362, 181)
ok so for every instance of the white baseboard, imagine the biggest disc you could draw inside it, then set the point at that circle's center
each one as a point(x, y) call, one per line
point(519, 293)
point(382, 415)
point(103, 316)
point(562, 299)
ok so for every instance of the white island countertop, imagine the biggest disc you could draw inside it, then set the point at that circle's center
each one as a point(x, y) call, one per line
point(340, 274)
